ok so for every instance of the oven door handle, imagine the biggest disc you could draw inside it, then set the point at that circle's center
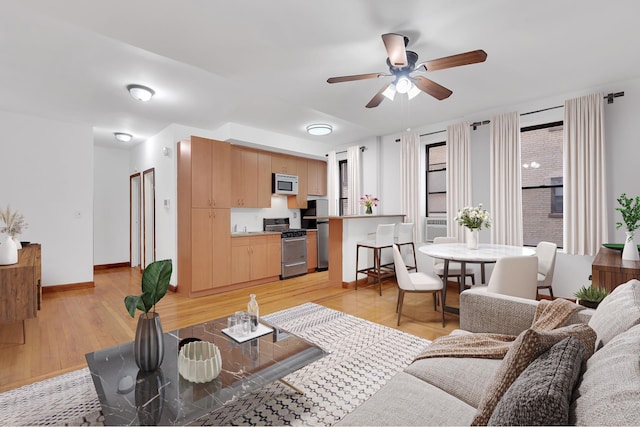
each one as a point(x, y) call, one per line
point(294, 239)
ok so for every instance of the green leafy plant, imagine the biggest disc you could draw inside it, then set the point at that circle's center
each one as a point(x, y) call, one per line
point(630, 211)
point(591, 293)
point(155, 282)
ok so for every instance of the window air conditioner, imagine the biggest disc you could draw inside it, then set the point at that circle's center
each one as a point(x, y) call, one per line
point(435, 227)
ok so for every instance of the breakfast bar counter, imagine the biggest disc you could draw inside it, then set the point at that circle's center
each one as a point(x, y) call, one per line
point(344, 233)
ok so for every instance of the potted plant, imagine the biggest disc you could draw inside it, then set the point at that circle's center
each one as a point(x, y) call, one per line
point(630, 210)
point(473, 218)
point(590, 296)
point(148, 346)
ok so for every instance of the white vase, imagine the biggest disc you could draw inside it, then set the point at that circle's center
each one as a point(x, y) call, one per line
point(472, 239)
point(8, 250)
point(17, 242)
point(630, 251)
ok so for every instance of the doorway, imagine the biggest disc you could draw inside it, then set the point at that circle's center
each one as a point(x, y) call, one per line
point(149, 217)
point(135, 223)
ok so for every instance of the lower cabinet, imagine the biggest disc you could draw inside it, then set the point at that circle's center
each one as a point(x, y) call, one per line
point(312, 250)
point(210, 256)
point(252, 258)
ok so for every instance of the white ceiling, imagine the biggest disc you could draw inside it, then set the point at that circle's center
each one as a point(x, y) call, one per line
point(264, 63)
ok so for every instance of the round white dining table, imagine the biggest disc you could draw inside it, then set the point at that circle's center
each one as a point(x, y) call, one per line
point(459, 252)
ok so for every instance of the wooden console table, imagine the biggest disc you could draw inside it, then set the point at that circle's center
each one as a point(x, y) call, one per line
point(20, 286)
point(608, 270)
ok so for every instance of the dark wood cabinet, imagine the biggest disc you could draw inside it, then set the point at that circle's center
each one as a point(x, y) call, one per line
point(608, 270)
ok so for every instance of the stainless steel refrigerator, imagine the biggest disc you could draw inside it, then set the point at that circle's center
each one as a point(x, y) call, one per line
point(319, 207)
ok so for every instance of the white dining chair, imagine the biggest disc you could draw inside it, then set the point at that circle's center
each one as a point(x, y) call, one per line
point(454, 267)
point(516, 276)
point(405, 239)
point(384, 239)
point(415, 282)
point(546, 252)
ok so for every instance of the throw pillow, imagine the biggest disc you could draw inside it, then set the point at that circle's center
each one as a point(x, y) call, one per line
point(542, 393)
point(526, 348)
point(618, 312)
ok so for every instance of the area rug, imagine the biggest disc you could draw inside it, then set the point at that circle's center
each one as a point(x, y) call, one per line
point(363, 357)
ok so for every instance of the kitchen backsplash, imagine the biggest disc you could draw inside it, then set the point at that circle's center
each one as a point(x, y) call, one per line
point(252, 218)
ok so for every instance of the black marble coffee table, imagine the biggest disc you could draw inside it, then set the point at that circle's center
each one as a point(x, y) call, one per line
point(130, 396)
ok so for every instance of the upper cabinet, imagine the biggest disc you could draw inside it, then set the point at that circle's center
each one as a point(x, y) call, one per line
point(300, 200)
point(316, 177)
point(281, 163)
point(210, 172)
point(250, 178)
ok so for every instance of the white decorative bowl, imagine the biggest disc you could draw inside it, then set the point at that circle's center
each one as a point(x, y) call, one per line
point(199, 361)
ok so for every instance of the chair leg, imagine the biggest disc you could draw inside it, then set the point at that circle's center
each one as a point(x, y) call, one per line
point(441, 307)
point(435, 301)
point(551, 293)
point(400, 301)
point(378, 266)
point(357, 254)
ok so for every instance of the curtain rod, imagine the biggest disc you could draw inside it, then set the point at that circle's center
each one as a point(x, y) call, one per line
point(362, 148)
point(609, 97)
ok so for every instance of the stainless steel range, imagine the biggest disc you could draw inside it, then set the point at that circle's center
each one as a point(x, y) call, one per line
point(294, 247)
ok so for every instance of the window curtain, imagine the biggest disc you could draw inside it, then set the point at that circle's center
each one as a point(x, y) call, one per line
point(585, 201)
point(353, 166)
point(410, 182)
point(458, 176)
point(506, 180)
point(333, 183)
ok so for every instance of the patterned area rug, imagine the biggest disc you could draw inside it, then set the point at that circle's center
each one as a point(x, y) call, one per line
point(364, 356)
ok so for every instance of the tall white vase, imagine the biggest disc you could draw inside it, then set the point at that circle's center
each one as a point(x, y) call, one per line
point(472, 239)
point(630, 251)
point(8, 250)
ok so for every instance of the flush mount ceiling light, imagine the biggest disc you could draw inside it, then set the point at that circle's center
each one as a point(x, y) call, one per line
point(141, 93)
point(124, 137)
point(319, 129)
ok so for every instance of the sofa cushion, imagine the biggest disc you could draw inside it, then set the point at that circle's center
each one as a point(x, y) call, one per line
point(541, 395)
point(406, 400)
point(619, 311)
point(609, 392)
point(526, 348)
point(465, 378)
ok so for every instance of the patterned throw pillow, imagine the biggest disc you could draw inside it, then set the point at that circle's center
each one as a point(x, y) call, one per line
point(525, 349)
point(618, 312)
point(542, 393)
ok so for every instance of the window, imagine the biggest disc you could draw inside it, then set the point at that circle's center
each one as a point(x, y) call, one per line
point(344, 187)
point(542, 191)
point(436, 179)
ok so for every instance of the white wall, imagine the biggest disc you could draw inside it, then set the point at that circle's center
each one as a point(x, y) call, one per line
point(47, 174)
point(111, 205)
point(622, 154)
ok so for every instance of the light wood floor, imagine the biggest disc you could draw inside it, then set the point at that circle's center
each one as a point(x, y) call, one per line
point(73, 323)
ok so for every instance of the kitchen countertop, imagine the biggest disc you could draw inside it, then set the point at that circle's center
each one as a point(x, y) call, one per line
point(253, 233)
point(352, 216)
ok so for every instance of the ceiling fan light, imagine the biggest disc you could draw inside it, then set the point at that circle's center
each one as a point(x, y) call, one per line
point(141, 93)
point(123, 137)
point(319, 129)
point(403, 84)
point(413, 92)
point(390, 92)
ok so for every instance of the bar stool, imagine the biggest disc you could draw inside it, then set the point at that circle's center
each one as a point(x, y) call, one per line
point(405, 237)
point(384, 239)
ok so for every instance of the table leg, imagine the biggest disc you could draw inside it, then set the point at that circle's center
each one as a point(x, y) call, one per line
point(445, 280)
point(482, 280)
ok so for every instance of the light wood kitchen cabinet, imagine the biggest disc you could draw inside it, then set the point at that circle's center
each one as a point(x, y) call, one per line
point(264, 179)
point(312, 250)
point(244, 177)
point(274, 256)
point(281, 163)
point(316, 177)
point(250, 259)
point(210, 241)
point(210, 172)
point(299, 201)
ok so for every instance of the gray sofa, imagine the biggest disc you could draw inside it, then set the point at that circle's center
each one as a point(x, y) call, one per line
point(448, 391)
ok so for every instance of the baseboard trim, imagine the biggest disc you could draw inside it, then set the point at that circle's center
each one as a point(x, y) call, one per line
point(69, 287)
point(173, 288)
point(108, 266)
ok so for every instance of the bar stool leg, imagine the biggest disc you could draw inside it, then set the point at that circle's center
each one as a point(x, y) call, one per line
point(357, 254)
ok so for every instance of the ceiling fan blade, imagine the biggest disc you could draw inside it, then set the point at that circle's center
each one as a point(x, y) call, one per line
point(355, 77)
point(466, 58)
point(376, 100)
point(394, 43)
point(431, 87)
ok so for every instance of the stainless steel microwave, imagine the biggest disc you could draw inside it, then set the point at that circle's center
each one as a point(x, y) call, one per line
point(284, 184)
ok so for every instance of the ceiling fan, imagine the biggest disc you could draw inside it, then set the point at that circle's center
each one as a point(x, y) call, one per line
point(402, 63)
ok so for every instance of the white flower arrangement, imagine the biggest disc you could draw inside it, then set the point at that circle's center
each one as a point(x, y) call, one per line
point(473, 217)
point(14, 222)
